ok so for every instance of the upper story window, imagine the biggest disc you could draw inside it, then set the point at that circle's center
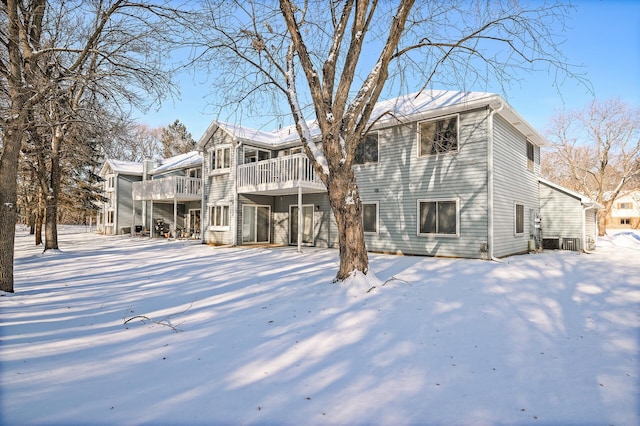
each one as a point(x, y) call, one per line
point(625, 206)
point(438, 136)
point(367, 152)
point(530, 156)
point(252, 155)
point(220, 158)
point(194, 173)
point(111, 182)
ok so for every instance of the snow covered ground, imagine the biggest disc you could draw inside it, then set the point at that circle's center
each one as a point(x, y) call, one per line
point(121, 330)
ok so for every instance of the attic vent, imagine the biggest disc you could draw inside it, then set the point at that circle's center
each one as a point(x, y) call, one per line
point(572, 244)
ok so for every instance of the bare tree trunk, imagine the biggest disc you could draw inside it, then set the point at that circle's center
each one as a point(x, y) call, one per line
point(8, 197)
point(347, 209)
point(52, 192)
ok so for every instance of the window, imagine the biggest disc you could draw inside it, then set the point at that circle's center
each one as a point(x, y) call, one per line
point(625, 206)
point(530, 156)
point(519, 212)
point(370, 218)
point(194, 173)
point(111, 182)
point(252, 155)
point(438, 136)
point(220, 158)
point(219, 216)
point(438, 217)
point(625, 221)
point(110, 217)
point(367, 152)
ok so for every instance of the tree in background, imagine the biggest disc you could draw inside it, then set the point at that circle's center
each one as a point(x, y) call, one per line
point(331, 61)
point(596, 151)
point(176, 140)
point(59, 59)
point(130, 141)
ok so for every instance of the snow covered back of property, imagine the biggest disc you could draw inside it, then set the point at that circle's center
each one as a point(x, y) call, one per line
point(129, 330)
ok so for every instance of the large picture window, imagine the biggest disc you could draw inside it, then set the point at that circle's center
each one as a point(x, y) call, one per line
point(438, 136)
point(367, 152)
point(519, 219)
point(370, 218)
point(253, 155)
point(438, 217)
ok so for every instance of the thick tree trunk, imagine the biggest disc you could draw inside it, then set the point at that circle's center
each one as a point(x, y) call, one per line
point(602, 218)
point(347, 209)
point(51, 210)
point(8, 200)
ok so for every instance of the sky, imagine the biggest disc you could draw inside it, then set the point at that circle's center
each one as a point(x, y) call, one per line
point(602, 39)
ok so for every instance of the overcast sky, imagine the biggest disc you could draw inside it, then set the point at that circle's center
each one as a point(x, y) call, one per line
point(603, 37)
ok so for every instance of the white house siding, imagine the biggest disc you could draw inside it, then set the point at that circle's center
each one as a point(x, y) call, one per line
point(561, 214)
point(513, 183)
point(401, 178)
point(591, 229)
point(218, 188)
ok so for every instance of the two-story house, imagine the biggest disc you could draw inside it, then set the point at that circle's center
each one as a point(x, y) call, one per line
point(150, 198)
point(625, 211)
point(114, 214)
point(442, 173)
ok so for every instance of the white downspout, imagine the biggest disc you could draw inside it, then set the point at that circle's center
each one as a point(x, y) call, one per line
point(490, 184)
point(236, 201)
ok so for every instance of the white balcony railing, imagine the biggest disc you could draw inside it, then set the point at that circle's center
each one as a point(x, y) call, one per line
point(169, 188)
point(278, 172)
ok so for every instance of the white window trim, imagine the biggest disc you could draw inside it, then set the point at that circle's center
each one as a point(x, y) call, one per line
point(377, 203)
point(210, 208)
point(432, 235)
point(211, 154)
point(313, 223)
point(246, 148)
point(515, 219)
point(444, 117)
point(256, 206)
point(377, 132)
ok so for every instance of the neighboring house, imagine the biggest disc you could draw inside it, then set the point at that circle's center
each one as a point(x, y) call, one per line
point(114, 216)
point(168, 194)
point(171, 194)
point(625, 212)
point(445, 174)
point(570, 220)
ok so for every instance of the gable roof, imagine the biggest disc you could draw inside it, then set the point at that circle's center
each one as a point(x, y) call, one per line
point(412, 107)
point(586, 201)
point(122, 167)
point(182, 161)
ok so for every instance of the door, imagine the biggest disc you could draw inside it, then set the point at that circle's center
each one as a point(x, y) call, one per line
point(255, 224)
point(307, 224)
point(194, 222)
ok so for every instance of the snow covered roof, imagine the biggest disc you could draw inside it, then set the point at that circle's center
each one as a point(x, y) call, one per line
point(182, 161)
point(586, 201)
point(415, 106)
point(123, 167)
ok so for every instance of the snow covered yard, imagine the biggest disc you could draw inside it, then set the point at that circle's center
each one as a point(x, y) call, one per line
point(121, 330)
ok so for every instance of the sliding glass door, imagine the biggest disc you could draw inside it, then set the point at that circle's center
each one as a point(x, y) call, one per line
point(255, 224)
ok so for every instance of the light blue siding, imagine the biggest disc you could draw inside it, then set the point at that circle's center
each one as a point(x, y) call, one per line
point(513, 184)
point(401, 178)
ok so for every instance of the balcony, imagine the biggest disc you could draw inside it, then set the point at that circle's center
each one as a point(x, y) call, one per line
point(279, 176)
point(180, 188)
